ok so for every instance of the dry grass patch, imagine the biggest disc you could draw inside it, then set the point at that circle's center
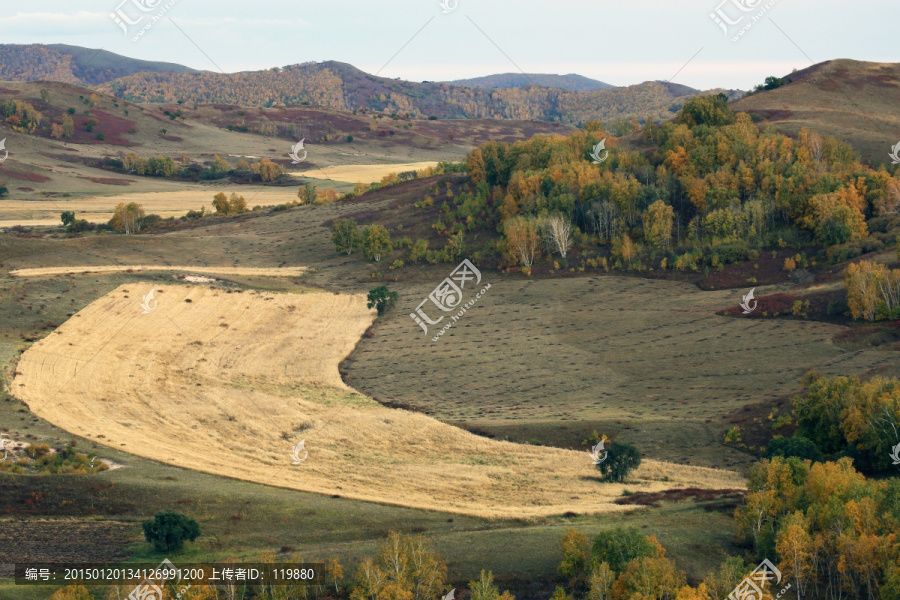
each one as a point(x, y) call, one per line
point(76, 270)
point(362, 173)
point(229, 383)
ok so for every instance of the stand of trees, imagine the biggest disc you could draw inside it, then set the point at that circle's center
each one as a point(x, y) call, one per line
point(714, 190)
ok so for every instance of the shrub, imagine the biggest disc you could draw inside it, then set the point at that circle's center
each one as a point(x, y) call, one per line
point(871, 244)
point(839, 254)
point(418, 251)
point(382, 299)
point(733, 435)
point(731, 253)
point(798, 446)
point(623, 458)
point(837, 308)
point(168, 530)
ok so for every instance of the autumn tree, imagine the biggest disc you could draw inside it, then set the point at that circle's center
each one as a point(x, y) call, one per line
point(404, 569)
point(659, 219)
point(600, 582)
point(653, 576)
point(576, 551)
point(795, 547)
point(68, 127)
point(307, 194)
point(72, 592)
point(335, 572)
point(267, 170)
point(483, 588)
point(345, 235)
point(863, 282)
point(557, 230)
point(376, 242)
point(522, 240)
point(625, 248)
point(127, 217)
point(220, 166)
point(835, 220)
point(326, 196)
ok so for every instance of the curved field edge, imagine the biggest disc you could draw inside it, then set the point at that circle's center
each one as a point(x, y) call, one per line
point(228, 383)
point(101, 269)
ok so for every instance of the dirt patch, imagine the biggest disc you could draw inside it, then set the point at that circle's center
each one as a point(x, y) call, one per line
point(87, 269)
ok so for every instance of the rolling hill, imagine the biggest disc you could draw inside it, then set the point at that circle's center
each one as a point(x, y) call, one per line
point(73, 64)
point(572, 82)
point(569, 99)
point(341, 86)
point(852, 100)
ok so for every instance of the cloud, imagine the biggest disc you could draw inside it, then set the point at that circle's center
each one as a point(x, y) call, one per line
point(44, 24)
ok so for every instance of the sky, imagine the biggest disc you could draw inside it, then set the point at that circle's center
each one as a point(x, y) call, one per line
point(621, 43)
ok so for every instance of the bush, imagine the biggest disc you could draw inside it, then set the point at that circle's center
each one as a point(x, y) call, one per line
point(871, 244)
point(839, 254)
point(623, 458)
point(837, 308)
point(731, 253)
point(168, 530)
point(798, 446)
point(381, 299)
point(620, 546)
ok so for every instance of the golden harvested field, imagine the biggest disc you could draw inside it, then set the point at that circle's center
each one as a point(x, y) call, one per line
point(83, 269)
point(361, 173)
point(228, 383)
point(99, 209)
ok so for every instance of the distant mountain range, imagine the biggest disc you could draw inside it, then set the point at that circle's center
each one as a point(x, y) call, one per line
point(572, 82)
point(568, 99)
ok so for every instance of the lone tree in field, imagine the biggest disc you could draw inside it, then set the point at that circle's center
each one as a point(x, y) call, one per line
point(67, 217)
point(623, 458)
point(382, 299)
point(376, 242)
point(345, 235)
point(168, 530)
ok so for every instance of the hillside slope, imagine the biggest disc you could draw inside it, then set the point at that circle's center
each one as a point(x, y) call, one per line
point(852, 100)
point(73, 64)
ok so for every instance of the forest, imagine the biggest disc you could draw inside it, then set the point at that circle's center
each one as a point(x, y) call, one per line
point(709, 189)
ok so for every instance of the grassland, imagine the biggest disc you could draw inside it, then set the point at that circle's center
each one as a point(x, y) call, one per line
point(219, 371)
point(851, 100)
point(541, 361)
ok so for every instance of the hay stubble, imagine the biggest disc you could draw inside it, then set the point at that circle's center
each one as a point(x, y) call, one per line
point(228, 383)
